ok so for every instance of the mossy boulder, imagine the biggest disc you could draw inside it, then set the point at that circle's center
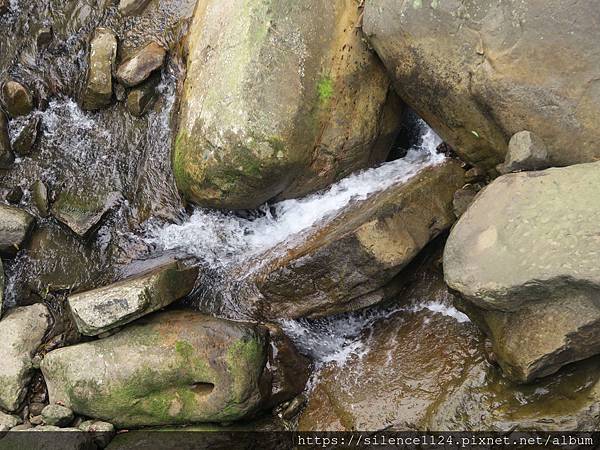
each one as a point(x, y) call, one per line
point(480, 71)
point(269, 106)
point(525, 253)
point(175, 367)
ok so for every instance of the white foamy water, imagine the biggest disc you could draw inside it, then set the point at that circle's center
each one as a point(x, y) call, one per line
point(336, 339)
point(222, 239)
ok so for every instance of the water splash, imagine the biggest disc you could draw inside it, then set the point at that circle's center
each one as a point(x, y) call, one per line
point(225, 239)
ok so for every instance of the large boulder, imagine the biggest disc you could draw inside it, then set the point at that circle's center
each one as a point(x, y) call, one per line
point(175, 367)
point(270, 100)
point(98, 89)
point(346, 261)
point(479, 72)
point(525, 253)
point(108, 307)
point(21, 334)
point(15, 225)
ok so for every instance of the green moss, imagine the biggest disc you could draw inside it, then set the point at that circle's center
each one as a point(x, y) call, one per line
point(325, 89)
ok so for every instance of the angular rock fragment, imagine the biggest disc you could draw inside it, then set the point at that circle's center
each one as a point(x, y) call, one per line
point(112, 306)
point(15, 225)
point(141, 64)
point(83, 211)
point(526, 151)
point(57, 415)
point(16, 99)
point(21, 333)
point(176, 367)
point(39, 196)
point(346, 262)
point(97, 92)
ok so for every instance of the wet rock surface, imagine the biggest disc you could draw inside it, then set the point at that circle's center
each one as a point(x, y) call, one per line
point(7, 156)
point(25, 140)
point(112, 306)
point(132, 6)
point(16, 98)
point(267, 110)
point(103, 53)
point(171, 368)
point(21, 334)
point(348, 261)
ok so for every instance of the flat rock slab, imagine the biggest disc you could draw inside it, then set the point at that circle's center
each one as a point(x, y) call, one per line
point(21, 334)
point(15, 225)
point(115, 305)
point(176, 367)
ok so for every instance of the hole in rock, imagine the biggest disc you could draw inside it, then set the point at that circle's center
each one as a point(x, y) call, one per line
point(202, 388)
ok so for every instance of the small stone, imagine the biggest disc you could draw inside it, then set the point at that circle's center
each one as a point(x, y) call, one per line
point(58, 415)
point(475, 174)
point(4, 5)
point(103, 431)
point(35, 409)
point(463, 199)
point(526, 151)
point(16, 98)
point(120, 92)
point(44, 36)
point(294, 407)
point(130, 7)
point(142, 98)
point(15, 224)
point(36, 420)
point(39, 195)
point(23, 427)
point(7, 157)
point(15, 195)
point(25, 140)
point(138, 67)
point(46, 428)
point(97, 93)
point(8, 421)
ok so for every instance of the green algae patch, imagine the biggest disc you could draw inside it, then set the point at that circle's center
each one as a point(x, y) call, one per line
point(325, 89)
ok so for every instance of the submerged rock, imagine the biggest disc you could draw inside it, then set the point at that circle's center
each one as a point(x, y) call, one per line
point(21, 334)
point(175, 367)
point(15, 225)
point(479, 72)
point(346, 262)
point(109, 307)
point(131, 7)
point(141, 64)
point(97, 93)
point(270, 101)
point(526, 151)
point(528, 247)
point(7, 156)
point(39, 196)
point(83, 211)
point(25, 140)
point(142, 98)
point(16, 99)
